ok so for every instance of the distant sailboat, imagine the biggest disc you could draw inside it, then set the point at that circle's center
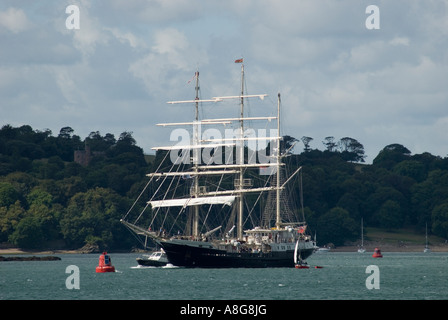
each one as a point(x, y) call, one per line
point(361, 248)
point(426, 250)
point(298, 262)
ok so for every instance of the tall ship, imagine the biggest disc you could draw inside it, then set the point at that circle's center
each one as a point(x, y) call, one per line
point(221, 200)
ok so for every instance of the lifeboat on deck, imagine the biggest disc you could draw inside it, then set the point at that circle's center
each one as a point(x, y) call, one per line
point(377, 253)
point(105, 264)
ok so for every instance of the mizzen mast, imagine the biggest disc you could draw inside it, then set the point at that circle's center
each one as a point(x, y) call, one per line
point(278, 155)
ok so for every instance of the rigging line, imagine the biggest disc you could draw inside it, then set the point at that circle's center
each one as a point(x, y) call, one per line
point(144, 209)
point(178, 214)
point(249, 216)
point(301, 196)
point(173, 196)
point(258, 199)
point(165, 218)
point(141, 193)
point(174, 192)
point(138, 198)
point(163, 181)
point(210, 207)
point(160, 186)
point(175, 219)
point(292, 195)
point(182, 208)
point(135, 236)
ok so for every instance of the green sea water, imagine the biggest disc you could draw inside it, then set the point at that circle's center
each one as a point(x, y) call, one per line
point(398, 276)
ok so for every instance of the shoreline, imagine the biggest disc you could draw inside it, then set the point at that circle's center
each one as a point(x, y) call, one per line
point(18, 251)
point(349, 248)
point(385, 247)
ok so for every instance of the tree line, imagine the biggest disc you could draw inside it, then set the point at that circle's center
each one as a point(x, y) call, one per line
point(398, 190)
point(47, 200)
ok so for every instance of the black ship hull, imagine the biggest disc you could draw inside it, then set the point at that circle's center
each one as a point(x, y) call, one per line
point(185, 255)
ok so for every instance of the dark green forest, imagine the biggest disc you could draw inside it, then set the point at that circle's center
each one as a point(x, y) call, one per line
point(62, 192)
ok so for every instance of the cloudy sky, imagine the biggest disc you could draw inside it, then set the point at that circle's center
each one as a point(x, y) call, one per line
point(336, 76)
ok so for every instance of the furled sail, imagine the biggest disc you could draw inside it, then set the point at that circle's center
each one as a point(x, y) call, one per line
point(225, 200)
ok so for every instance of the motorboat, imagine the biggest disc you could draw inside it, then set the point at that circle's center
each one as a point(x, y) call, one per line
point(155, 259)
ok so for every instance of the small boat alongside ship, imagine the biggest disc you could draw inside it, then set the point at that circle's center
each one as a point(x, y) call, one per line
point(155, 259)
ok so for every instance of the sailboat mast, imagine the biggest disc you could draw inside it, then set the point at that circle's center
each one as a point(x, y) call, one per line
point(362, 233)
point(241, 160)
point(277, 203)
point(196, 159)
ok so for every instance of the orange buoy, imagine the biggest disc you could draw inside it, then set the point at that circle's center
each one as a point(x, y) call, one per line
point(105, 264)
point(377, 253)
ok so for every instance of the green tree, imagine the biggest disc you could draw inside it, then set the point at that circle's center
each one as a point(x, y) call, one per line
point(95, 214)
point(329, 144)
point(28, 234)
point(39, 197)
point(22, 182)
point(389, 216)
point(336, 226)
point(428, 194)
point(38, 224)
point(440, 220)
point(411, 168)
point(66, 133)
point(391, 155)
point(351, 149)
point(306, 143)
point(8, 194)
point(9, 218)
point(287, 143)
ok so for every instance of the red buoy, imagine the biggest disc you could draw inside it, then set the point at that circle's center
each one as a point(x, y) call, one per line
point(105, 264)
point(377, 253)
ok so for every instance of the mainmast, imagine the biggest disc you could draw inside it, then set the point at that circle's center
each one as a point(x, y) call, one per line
point(241, 161)
point(240, 183)
point(196, 152)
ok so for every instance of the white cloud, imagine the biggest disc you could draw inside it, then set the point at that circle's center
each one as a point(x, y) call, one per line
point(126, 37)
point(14, 20)
point(155, 12)
point(166, 64)
point(129, 57)
point(400, 41)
